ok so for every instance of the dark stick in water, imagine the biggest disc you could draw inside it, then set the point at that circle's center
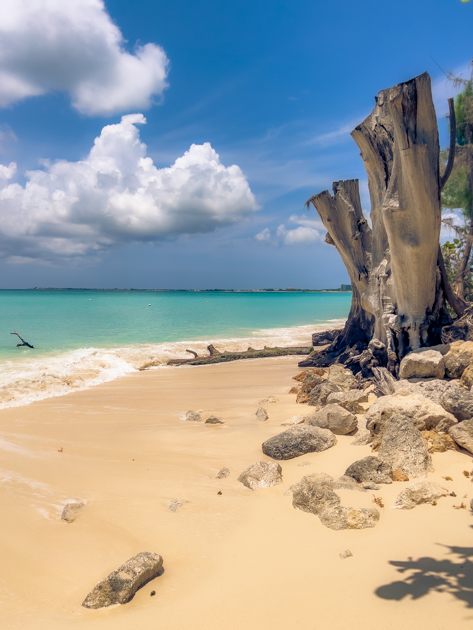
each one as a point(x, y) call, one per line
point(25, 343)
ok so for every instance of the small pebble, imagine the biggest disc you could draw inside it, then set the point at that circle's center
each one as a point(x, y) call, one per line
point(193, 416)
point(153, 593)
point(175, 504)
point(223, 473)
point(345, 554)
point(214, 420)
point(219, 492)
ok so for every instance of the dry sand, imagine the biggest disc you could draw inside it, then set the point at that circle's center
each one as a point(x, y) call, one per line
point(241, 559)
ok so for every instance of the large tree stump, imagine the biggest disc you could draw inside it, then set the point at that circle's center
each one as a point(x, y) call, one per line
point(398, 291)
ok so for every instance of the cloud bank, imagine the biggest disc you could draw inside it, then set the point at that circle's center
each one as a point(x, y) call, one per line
point(309, 231)
point(73, 46)
point(117, 195)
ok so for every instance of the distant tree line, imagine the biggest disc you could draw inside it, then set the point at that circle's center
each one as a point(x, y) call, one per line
point(457, 194)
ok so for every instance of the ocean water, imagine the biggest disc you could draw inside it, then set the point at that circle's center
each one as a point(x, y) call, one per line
point(83, 338)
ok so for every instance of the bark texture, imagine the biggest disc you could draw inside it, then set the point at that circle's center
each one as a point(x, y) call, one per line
point(398, 290)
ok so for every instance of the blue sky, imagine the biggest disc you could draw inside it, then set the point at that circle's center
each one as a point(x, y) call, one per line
point(267, 91)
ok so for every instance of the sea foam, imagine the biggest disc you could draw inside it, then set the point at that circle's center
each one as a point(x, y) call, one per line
point(26, 380)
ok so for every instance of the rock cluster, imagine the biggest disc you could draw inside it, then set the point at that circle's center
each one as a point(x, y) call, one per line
point(316, 494)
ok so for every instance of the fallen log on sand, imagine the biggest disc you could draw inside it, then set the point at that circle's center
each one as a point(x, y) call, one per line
point(224, 357)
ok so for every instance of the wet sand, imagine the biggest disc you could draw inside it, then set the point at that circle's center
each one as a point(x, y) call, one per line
point(241, 559)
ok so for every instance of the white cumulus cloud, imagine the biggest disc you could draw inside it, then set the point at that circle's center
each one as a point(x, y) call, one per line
point(73, 46)
point(116, 194)
point(307, 232)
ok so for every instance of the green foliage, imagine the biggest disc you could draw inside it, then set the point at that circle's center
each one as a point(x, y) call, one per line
point(457, 192)
point(464, 115)
point(452, 252)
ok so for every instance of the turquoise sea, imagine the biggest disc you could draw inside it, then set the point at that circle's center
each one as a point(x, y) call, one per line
point(83, 338)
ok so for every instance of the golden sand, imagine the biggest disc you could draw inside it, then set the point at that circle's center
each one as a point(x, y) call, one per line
point(240, 559)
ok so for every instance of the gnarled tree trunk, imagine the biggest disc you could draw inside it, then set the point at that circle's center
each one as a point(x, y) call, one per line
point(398, 289)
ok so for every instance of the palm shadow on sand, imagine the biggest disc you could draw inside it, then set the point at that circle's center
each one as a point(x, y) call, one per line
point(424, 575)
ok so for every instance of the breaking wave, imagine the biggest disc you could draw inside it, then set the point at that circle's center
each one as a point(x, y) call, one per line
point(26, 380)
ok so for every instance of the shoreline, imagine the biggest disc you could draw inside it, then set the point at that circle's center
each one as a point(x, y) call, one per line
point(241, 559)
point(36, 377)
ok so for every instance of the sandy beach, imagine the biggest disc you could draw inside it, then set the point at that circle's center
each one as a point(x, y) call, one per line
point(239, 559)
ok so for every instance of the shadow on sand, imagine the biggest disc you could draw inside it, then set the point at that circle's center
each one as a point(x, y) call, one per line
point(453, 576)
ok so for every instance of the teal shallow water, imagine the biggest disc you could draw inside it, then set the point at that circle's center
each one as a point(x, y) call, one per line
point(67, 320)
point(82, 338)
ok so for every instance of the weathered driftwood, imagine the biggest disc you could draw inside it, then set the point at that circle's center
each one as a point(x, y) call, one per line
point(399, 290)
point(224, 357)
point(23, 342)
point(324, 337)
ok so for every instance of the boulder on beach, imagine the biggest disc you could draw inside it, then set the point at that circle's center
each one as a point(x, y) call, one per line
point(335, 418)
point(214, 420)
point(458, 402)
point(308, 384)
point(462, 434)
point(261, 414)
point(349, 400)
point(318, 396)
point(120, 586)
point(426, 364)
point(341, 517)
point(439, 442)
point(193, 416)
point(423, 413)
point(342, 377)
point(458, 358)
point(370, 469)
point(261, 475)
point(467, 377)
point(298, 440)
point(433, 389)
point(404, 448)
point(301, 376)
point(315, 494)
point(71, 510)
point(418, 493)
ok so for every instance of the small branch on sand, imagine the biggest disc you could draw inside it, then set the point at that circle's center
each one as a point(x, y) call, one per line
point(224, 357)
point(24, 343)
point(192, 352)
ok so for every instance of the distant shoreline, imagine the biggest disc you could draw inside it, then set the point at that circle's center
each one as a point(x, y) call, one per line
point(184, 290)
